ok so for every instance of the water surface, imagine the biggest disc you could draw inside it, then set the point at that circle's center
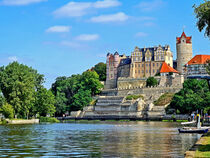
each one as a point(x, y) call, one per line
point(104, 139)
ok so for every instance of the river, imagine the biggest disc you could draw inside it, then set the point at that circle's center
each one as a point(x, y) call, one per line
point(103, 139)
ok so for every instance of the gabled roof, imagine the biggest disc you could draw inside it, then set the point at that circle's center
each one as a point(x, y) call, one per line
point(166, 68)
point(188, 39)
point(199, 59)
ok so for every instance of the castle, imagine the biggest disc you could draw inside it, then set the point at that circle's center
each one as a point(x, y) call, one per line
point(146, 62)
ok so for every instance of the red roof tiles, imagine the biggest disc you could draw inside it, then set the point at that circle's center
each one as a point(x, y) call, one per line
point(166, 68)
point(199, 59)
point(188, 39)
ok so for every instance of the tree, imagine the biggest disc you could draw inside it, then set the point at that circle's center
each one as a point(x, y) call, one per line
point(19, 83)
point(100, 68)
point(45, 101)
point(203, 15)
point(151, 81)
point(75, 92)
point(194, 96)
point(7, 111)
point(81, 99)
point(90, 81)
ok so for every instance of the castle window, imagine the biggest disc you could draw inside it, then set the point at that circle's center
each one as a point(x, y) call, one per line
point(139, 65)
point(142, 65)
point(146, 65)
point(149, 64)
point(139, 71)
point(135, 71)
point(153, 64)
point(142, 71)
point(157, 64)
point(153, 71)
point(146, 71)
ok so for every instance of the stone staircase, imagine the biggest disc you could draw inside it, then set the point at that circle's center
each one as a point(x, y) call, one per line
point(109, 103)
point(157, 111)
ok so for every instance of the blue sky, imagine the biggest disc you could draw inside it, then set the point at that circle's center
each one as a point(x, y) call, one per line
point(64, 37)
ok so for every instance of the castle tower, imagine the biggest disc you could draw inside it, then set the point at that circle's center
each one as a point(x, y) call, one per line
point(184, 51)
point(112, 63)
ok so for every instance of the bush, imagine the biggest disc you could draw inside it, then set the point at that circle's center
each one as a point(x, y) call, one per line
point(93, 102)
point(134, 97)
point(151, 81)
point(49, 119)
point(8, 111)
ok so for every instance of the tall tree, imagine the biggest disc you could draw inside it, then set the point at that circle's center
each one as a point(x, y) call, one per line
point(45, 101)
point(203, 15)
point(19, 83)
point(100, 68)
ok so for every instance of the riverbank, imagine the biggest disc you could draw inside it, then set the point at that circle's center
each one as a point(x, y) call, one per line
point(201, 148)
point(22, 121)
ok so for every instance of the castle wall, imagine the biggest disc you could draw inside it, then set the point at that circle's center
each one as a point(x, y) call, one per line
point(124, 71)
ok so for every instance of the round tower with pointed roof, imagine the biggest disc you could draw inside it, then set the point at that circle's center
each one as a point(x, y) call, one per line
point(184, 51)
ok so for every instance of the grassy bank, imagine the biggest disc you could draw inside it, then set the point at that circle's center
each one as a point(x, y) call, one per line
point(164, 99)
point(204, 148)
point(49, 119)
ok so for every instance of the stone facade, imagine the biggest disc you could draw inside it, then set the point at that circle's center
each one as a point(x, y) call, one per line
point(184, 52)
point(143, 62)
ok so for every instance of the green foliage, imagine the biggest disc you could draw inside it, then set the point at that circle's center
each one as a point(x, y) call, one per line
point(203, 15)
point(100, 68)
point(18, 83)
point(81, 99)
point(45, 101)
point(8, 111)
point(75, 92)
point(195, 95)
point(164, 99)
point(151, 81)
point(134, 97)
point(49, 119)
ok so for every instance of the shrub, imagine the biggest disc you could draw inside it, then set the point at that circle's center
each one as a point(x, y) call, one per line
point(8, 111)
point(134, 97)
point(151, 81)
point(49, 119)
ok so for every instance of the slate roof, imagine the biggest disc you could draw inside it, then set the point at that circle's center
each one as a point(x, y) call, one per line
point(125, 61)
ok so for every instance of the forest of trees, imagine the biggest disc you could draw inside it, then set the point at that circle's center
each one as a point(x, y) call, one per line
point(22, 94)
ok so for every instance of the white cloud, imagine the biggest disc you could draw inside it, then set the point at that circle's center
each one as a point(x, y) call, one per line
point(58, 29)
point(118, 17)
point(20, 2)
point(72, 9)
point(141, 34)
point(87, 37)
point(106, 4)
point(12, 58)
point(151, 5)
point(76, 9)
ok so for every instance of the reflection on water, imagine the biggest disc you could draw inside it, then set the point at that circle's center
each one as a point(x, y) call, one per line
point(105, 139)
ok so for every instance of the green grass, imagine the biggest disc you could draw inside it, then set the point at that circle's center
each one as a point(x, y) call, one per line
point(134, 97)
point(176, 120)
point(164, 99)
point(204, 149)
point(49, 119)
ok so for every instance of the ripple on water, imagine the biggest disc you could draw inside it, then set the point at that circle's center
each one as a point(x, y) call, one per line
point(107, 139)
